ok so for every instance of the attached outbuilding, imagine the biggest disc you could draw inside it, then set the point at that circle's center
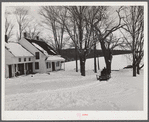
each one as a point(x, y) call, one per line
point(56, 62)
point(18, 60)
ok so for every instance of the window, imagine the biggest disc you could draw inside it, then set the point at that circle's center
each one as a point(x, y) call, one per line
point(36, 65)
point(24, 59)
point(37, 55)
point(19, 59)
point(29, 59)
point(57, 64)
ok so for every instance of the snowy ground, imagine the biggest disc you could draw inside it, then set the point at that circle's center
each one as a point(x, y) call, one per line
point(68, 90)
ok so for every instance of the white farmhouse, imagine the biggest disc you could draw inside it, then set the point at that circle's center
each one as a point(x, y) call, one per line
point(46, 59)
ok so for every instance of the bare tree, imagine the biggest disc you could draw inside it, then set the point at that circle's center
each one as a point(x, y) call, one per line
point(21, 14)
point(86, 19)
point(71, 25)
point(82, 36)
point(55, 46)
point(104, 28)
point(58, 30)
point(134, 26)
point(33, 30)
point(81, 24)
point(8, 26)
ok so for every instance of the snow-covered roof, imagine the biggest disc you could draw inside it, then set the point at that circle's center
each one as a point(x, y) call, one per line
point(17, 50)
point(55, 58)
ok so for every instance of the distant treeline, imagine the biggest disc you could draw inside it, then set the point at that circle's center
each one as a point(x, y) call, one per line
point(69, 54)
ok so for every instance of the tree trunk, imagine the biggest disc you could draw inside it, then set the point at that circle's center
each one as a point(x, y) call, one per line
point(82, 54)
point(95, 67)
point(83, 68)
point(83, 65)
point(133, 42)
point(108, 66)
point(107, 56)
point(138, 69)
point(134, 66)
point(76, 59)
point(80, 64)
point(134, 70)
point(98, 63)
point(20, 32)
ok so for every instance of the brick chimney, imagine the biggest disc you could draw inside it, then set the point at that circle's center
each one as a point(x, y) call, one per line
point(6, 39)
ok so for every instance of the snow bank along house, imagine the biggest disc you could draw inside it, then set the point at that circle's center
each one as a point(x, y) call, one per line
point(34, 56)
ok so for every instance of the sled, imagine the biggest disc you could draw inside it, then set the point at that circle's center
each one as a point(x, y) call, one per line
point(103, 77)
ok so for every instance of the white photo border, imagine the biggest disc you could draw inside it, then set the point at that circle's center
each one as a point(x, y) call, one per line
point(72, 115)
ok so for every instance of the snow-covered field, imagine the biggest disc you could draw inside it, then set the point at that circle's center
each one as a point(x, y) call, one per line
point(68, 90)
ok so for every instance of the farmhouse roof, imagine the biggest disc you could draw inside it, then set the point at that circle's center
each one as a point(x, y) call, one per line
point(17, 50)
point(42, 46)
point(55, 58)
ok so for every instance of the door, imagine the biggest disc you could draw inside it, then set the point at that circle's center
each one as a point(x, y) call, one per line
point(53, 66)
point(30, 67)
point(10, 71)
point(21, 68)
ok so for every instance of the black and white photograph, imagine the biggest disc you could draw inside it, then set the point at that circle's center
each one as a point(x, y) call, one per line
point(74, 60)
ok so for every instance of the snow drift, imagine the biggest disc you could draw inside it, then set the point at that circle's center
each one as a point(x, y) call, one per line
point(68, 90)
